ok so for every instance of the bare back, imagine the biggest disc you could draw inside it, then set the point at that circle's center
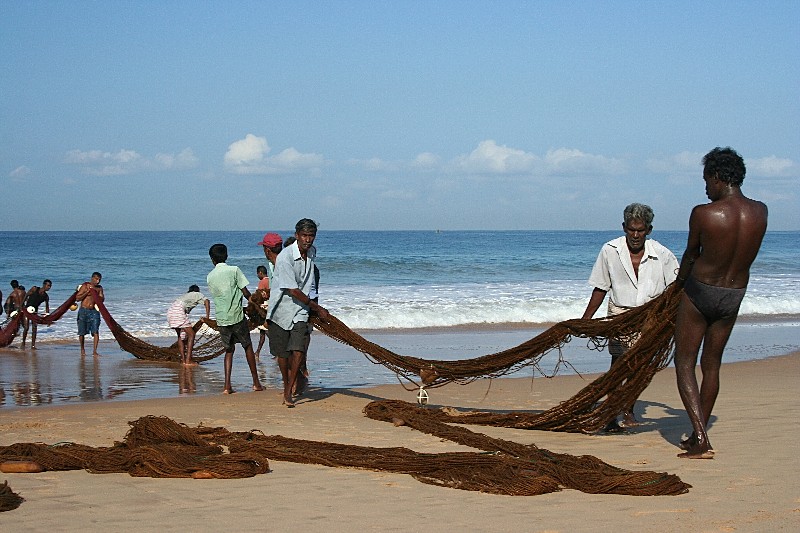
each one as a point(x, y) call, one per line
point(728, 234)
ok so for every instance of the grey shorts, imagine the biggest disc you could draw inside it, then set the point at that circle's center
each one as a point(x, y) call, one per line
point(235, 334)
point(282, 342)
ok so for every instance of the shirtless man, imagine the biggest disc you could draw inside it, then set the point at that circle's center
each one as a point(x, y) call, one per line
point(724, 238)
point(15, 299)
point(88, 316)
point(36, 296)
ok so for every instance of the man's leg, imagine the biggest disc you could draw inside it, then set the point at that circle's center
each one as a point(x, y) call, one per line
point(96, 337)
point(690, 327)
point(189, 342)
point(288, 385)
point(83, 349)
point(33, 334)
point(251, 362)
point(228, 368)
point(714, 342)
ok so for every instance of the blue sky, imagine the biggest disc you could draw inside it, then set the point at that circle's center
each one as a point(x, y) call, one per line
point(390, 115)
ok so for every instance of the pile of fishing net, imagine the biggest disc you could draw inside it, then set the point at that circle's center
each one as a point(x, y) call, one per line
point(159, 447)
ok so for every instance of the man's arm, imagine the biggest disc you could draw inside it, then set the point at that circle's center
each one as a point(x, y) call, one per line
point(313, 306)
point(693, 248)
point(597, 297)
point(246, 293)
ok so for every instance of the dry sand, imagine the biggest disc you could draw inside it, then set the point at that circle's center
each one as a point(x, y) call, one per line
point(751, 485)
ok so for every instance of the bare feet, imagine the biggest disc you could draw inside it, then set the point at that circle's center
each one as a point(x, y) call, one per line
point(629, 420)
point(614, 427)
point(695, 449)
point(288, 403)
point(697, 452)
point(691, 442)
point(227, 391)
point(258, 388)
point(300, 385)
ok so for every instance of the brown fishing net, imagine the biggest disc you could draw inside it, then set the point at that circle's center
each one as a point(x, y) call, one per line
point(655, 320)
point(160, 447)
point(584, 412)
point(9, 500)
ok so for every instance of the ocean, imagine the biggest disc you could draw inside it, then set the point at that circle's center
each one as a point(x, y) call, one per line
point(384, 284)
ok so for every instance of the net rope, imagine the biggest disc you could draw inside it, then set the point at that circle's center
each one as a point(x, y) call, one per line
point(159, 447)
point(584, 412)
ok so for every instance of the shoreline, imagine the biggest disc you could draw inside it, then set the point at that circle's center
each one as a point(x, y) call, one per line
point(742, 489)
point(55, 373)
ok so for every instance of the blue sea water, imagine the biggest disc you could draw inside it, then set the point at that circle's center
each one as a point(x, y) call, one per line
point(370, 279)
point(377, 282)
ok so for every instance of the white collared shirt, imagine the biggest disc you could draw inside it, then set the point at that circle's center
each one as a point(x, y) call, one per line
point(613, 272)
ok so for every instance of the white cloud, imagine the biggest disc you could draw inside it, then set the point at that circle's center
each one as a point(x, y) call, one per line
point(426, 160)
point(491, 158)
point(184, 159)
point(572, 161)
point(250, 156)
point(771, 167)
point(248, 151)
point(19, 173)
point(123, 162)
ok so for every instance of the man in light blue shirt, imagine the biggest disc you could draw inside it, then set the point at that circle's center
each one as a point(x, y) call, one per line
point(228, 285)
point(290, 303)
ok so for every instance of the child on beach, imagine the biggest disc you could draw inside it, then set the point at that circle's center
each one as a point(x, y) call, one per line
point(228, 285)
point(178, 319)
point(263, 296)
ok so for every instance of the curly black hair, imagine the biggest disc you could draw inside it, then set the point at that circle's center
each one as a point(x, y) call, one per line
point(726, 165)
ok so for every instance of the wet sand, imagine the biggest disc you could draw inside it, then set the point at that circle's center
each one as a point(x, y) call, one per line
point(751, 485)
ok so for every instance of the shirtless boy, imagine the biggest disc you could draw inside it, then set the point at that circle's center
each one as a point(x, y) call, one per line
point(724, 238)
point(36, 296)
point(88, 316)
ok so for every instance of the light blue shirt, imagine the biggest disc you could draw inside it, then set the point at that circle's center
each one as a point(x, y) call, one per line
point(291, 272)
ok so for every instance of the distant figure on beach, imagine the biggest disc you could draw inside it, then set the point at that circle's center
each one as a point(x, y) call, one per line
point(634, 270)
point(272, 245)
point(15, 298)
point(35, 297)
point(88, 314)
point(178, 319)
point(228, 285)
point(290, 303)
point(724, 239)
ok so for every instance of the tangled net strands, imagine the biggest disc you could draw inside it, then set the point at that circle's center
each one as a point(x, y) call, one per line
point(9, 500)
point(584, 412)
point(159, 447)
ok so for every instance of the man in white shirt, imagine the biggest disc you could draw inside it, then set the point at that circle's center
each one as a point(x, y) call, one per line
point(634, 270)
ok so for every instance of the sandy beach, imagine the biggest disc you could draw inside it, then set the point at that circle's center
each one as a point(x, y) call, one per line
point(751, 485)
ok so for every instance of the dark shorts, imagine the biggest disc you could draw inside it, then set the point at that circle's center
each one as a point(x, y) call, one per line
point(714, 303)
point(88, 321)
point(283, 342)
point(235, 334)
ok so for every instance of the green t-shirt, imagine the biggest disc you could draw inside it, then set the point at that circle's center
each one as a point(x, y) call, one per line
point(225, 283)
